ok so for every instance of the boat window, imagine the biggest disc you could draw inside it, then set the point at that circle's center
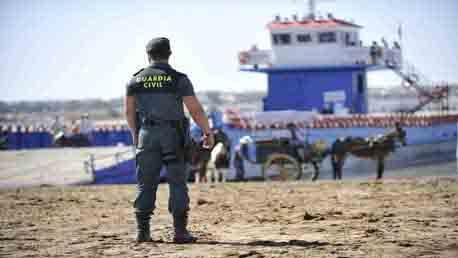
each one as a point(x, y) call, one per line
point(281, 39)
point(275, 39)
point(327, 37)
point(350, 39)
point(304, 38)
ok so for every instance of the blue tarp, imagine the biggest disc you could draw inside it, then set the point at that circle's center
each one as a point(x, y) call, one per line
point(122, 173)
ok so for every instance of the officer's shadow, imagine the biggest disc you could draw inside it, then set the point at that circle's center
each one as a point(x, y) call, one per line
point(264, 243)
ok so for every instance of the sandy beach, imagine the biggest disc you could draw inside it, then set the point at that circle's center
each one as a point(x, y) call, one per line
point(411, 217)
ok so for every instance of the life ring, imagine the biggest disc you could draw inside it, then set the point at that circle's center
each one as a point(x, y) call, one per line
point(243, 57)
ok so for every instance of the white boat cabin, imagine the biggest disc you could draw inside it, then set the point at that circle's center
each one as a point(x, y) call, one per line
point(311, 42)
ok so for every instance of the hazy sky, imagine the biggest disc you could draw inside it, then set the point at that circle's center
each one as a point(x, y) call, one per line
point(89, 49)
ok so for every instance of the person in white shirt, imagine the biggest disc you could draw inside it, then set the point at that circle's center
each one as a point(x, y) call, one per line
point(86, 125)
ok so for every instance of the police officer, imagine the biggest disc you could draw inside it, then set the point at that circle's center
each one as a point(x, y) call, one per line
point(154, 111)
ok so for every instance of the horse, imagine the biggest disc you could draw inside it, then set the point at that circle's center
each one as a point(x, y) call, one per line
point(201, 156)
point(218, 163)
point(374, 148)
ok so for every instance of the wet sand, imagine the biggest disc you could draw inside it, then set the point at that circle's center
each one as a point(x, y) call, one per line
point(399, 217)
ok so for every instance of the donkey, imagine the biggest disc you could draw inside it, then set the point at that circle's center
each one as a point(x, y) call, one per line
point(374, 148)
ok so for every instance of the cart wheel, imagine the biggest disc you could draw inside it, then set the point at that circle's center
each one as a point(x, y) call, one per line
point(309, 171)
point(281, 167)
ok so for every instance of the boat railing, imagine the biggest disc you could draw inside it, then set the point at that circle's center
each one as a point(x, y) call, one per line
point(347, 56)
point(384, 57)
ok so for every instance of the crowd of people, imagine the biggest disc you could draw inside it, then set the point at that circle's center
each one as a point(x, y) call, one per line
point(376, 52)
point(16, 137)
point(20, 136)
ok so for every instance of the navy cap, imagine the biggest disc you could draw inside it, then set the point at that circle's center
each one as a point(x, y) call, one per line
point(158, 45)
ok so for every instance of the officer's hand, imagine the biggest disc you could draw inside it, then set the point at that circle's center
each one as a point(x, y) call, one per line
point(209, 141)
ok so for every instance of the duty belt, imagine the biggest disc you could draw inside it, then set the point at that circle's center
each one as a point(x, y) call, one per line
point(157, 122)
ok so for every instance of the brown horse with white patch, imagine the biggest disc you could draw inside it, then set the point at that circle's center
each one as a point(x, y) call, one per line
point(375, 148)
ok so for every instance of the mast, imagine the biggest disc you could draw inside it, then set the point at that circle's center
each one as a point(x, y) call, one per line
point(312, 9)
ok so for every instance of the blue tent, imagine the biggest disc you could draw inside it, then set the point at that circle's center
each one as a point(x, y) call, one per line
point(12, 140)
point(46, 139)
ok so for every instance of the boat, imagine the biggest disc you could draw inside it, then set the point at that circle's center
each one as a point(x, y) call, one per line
point(317, 79)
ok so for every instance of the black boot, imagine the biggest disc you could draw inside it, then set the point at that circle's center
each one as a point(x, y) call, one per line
point(143, 229)
point(182, 235)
